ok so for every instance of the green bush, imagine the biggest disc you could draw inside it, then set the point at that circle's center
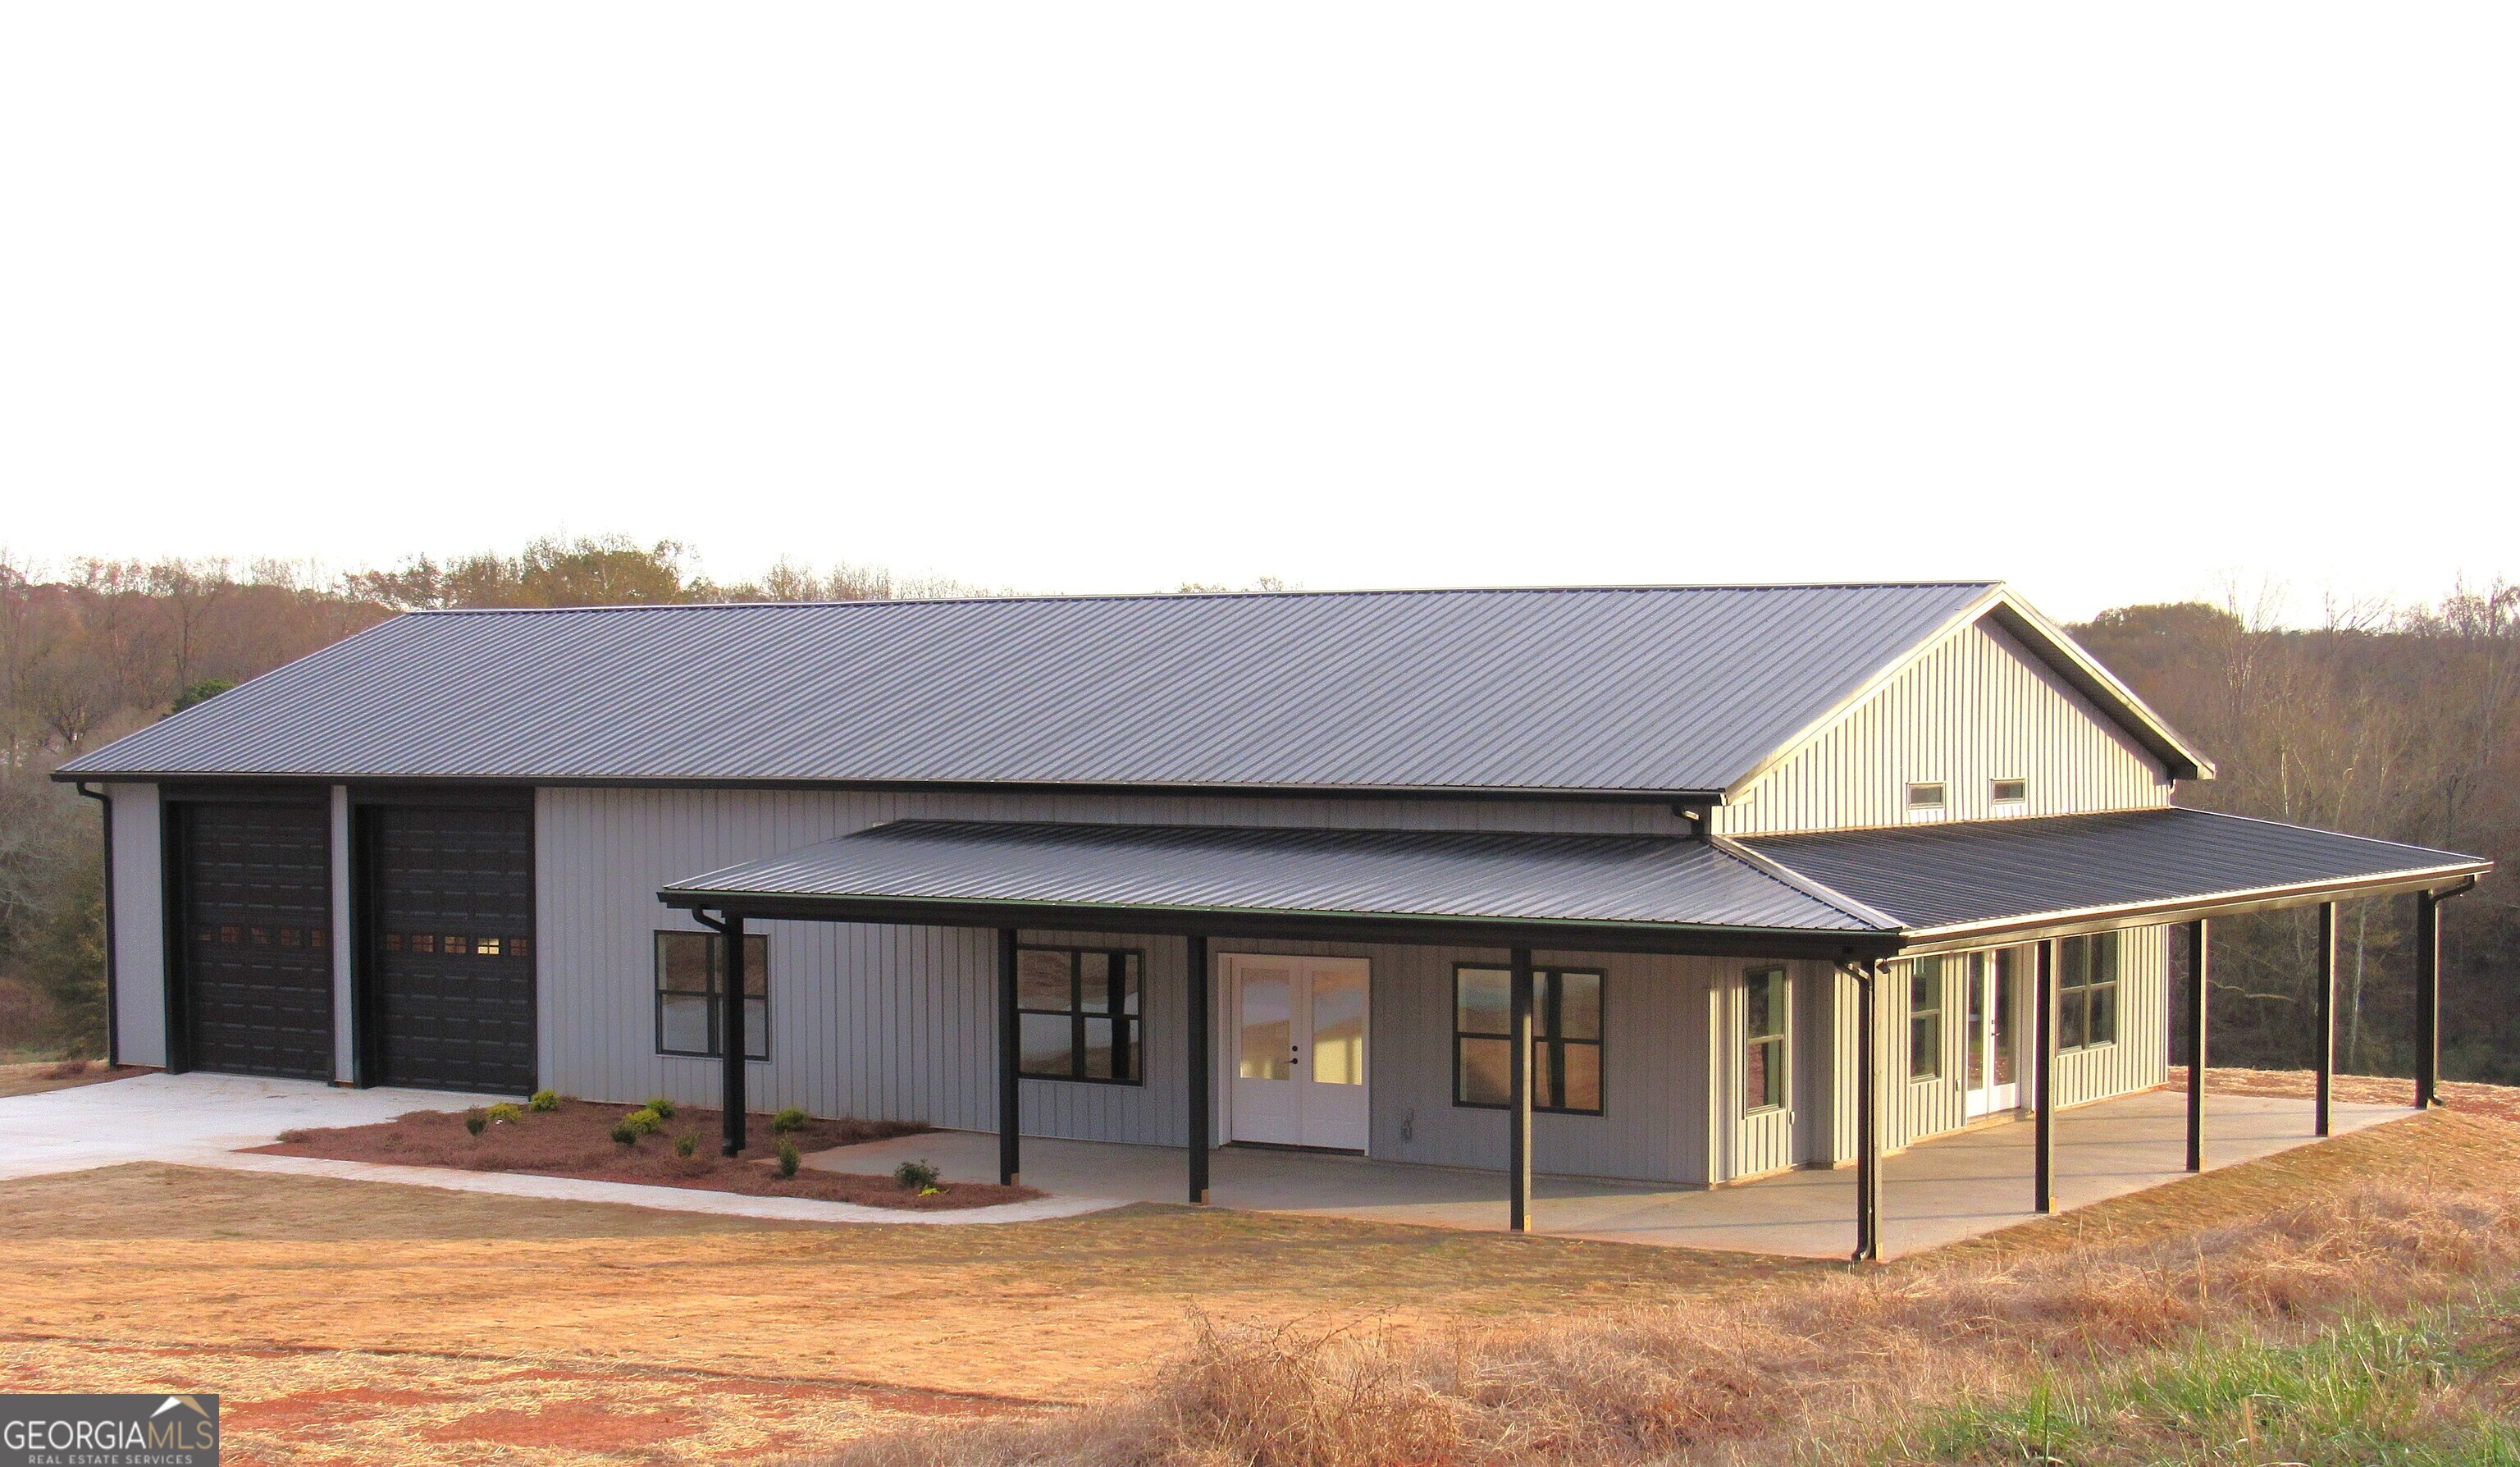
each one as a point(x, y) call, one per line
point(626, 1134)
point(544, 1100)
point(917, 1176)
point(505, 1112)
point(662, 1104)
point(684, 1146)
point(475, 1121)
point(789, 1120)
point(787, 1159)
point(643, 1121)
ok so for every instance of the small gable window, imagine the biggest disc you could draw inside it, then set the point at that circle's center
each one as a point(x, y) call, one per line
point(1925, 802)
point(2009, 791)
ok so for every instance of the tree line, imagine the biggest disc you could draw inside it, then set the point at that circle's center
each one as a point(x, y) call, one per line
point(2402, 723)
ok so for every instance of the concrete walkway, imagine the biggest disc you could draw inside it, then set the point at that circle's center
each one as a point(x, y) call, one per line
point(200, 1119)
point(1935, 1193)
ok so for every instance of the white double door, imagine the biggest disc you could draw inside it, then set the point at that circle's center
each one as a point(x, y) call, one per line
point(1992, 1030)
point(1298, 1041)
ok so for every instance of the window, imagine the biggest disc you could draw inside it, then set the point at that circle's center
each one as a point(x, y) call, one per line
point(2087, 992)
point(1763, 1035)
point(2007, 791)
point(1565, 1039)
point(1926, 1019)
point(691, 987)
point(1077, 1013)
point(1925, 802)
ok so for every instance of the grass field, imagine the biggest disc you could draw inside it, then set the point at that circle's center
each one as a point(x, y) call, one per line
point(359, 1323)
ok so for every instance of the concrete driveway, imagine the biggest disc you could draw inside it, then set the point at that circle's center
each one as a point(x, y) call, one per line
point(192, 1119)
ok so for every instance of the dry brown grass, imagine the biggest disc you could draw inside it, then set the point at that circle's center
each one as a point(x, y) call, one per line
point(59, 1074)
point(1825, 1368)
point(576, 1140)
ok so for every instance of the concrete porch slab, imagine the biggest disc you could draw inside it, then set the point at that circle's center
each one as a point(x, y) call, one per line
point(1935, 1193)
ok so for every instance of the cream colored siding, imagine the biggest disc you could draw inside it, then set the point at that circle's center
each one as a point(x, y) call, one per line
point(2140, 1058)
point(1975, 709)
point(138, 925)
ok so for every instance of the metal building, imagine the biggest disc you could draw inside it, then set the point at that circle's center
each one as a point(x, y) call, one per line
point(1681, 884)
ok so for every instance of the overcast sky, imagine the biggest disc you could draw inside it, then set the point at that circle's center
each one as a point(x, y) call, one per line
point(2106, 300)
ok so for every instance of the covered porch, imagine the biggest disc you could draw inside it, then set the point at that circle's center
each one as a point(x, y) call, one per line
point(1938, 1192)
point(1844, 902)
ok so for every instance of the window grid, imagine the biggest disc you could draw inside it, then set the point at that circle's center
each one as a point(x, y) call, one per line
point(1103, 1005)
point(1565, 1039)
point(691, 990)
point(1926, 1019)
point(2087, 992)
point(1763, 1032)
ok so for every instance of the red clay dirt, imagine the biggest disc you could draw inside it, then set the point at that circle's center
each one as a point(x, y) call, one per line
point(575, 1141)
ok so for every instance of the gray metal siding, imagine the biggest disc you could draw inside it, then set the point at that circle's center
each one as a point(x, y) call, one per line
point(345, 1028)
point(1644, 690)
point(140, 924)
point(1976, 709)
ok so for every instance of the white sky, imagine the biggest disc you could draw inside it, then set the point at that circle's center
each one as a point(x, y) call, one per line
point(2106, 300)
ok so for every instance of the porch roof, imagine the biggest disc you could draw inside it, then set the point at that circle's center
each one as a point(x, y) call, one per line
point(1837, 894)
point(1656, 892)
point(1982, 879)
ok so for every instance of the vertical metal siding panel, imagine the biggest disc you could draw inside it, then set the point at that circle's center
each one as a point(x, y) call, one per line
point(1978, 708)
point(139, 923)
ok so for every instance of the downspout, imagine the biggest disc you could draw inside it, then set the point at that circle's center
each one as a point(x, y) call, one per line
point(112, 1003)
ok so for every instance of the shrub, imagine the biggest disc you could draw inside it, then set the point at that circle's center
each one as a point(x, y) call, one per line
point(919, 1177)
point(787, 1159)
point(505, 1112)
point(626, 1134)
point(295, 1137)
point(789, 1120)
point(544, 1100)
point(475, 1121)
point(643, 1121)
point(685, 1145)
point(662, 1104)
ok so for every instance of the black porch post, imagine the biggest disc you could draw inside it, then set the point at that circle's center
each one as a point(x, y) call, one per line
point(731, 1095)
point(2200, 980)
point(2043, 1190)
point(1867, 1117)
point(1201, 1077)
point(1010, 1066)
point(2326, 1001)
point(2427, 1000)
point(1519, 1132)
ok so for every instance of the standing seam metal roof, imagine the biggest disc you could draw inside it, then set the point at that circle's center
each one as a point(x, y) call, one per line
point(1477, 875)
point(1623, 691)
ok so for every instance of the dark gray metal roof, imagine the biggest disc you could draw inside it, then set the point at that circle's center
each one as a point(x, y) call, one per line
point(1617, 691)
point(1929, 877)
point(1473, 875)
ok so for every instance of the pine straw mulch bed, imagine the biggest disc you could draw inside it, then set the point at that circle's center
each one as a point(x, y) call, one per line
point(60, 1074)
point(576, 1140)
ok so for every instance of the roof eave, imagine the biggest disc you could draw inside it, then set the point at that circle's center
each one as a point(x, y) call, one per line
point(2071, 921)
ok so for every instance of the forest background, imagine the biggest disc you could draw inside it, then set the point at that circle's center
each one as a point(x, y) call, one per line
point(2385, 719)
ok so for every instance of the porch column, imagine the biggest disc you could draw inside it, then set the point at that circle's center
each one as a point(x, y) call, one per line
point(2042, 1189)
point(1519, 1127)
point(1010, 1066)
point(2324, 998)
point(731, 1095)
point(2427, 1000)
point(1202, 1081)
point(1868, 1115)
point(2199, 979)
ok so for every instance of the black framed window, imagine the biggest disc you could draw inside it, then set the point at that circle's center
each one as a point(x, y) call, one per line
point(690, 984)
point(2087, 991)
point(1764, 1009)
point(1565, 1039)
point(1926, 1019)
point(1077, 1009)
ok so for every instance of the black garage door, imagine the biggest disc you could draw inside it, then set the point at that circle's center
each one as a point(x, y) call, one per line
point(255, 895)
point(450, 989)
